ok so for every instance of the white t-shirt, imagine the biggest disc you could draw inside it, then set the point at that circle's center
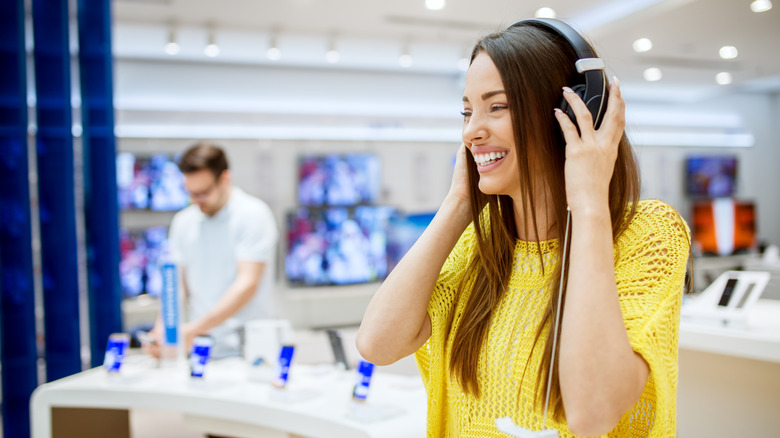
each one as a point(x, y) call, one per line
point(209, 247)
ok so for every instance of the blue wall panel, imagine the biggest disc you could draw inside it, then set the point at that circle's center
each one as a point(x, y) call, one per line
point(101, 215)
point(55, 188)
point(18, 352)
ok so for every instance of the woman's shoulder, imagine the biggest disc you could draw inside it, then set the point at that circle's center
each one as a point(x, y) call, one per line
point(658, 213)
point(654, 217)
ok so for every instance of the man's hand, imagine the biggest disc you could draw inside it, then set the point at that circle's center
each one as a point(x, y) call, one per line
point(151, 342)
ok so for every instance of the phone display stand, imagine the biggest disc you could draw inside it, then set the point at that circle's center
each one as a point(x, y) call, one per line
point(337, 346)
point(263, 340)
point(728, 299)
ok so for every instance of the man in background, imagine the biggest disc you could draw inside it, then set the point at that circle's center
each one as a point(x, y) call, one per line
point(224, 244)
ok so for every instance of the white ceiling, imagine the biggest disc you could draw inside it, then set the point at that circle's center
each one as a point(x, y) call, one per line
point(686, 34)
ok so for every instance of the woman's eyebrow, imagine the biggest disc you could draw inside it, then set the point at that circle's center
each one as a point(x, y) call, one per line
point(487, 95)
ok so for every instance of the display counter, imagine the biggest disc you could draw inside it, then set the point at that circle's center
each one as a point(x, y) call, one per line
point(316, 403)
point(729, 376)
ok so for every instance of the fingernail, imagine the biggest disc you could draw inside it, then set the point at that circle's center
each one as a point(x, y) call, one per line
point(616, 80)
point(567, 90)
point(558, 111)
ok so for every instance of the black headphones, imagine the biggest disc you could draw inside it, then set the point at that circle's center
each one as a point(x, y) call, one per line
point(593, 88)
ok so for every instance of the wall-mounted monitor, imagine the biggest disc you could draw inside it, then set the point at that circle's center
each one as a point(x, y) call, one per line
point(404, 231)
point(338, 245)
point(711, 176)
point(150, 182)
point(724, 226)
point(139, 270)
point(339, 179)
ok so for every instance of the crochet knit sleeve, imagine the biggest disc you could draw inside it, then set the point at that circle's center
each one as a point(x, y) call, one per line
point(442, 302)
point(650, 264)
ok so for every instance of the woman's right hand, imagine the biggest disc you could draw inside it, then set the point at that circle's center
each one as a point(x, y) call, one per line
point(459, 188)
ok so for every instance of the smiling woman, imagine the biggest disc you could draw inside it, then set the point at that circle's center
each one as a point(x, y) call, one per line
point(477, 296)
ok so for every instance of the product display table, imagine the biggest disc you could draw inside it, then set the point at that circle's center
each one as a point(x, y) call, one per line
point(316, 403)
point(729, 380)
point(758, 338)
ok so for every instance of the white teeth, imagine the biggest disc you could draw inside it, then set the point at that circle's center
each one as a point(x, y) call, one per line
point(488, 158)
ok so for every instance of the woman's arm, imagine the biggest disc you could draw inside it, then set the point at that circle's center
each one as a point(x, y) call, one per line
point(601, 376)
point(396, 322)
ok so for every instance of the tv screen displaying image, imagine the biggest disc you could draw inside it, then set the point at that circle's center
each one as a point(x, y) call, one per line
point(339, 179)
point(140, 251)
point(711, 177)
point(404, 230)
point(724, 226)
point(153, 182)
point(337, 245)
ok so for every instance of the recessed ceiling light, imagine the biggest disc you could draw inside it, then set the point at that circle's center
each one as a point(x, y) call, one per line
point(761, 5)
point(545, 13)
point(405, 60)
point(463, 64)
point(653, 74)
point(212, 49)
point(723, 78)
point(642, 45)
point(172, 47)
point(332, 55)
point(273, 53)
point(728, 52)
point(435, 5)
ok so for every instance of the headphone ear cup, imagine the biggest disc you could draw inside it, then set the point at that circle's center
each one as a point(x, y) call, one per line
point(579, 90)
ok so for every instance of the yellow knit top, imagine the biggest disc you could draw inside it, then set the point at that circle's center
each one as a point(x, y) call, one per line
point(650, 262)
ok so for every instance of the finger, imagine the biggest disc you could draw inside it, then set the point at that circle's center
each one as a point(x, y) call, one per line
point(581, 112)
point(568, 127)
point(615, 117)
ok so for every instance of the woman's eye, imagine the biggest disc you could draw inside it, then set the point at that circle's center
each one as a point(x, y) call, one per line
point(465, 113)
point(497, 107)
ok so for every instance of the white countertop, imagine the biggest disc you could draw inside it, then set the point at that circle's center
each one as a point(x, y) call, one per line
point(758, 338)
point(316, 403)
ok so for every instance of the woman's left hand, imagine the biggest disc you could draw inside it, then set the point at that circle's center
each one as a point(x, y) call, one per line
point(591, 153)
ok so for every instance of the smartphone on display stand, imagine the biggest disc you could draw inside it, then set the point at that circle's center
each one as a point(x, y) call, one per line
point(337, 346)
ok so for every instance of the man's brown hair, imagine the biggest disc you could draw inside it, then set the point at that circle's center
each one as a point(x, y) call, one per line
point(204, 155)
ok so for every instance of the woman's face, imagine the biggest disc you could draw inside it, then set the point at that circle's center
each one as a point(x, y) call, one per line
point(487, 129)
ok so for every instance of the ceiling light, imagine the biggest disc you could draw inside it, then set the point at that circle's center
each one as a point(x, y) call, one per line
point(723, 78)
point(761, 5)
point(435, 5)
point(332, 55)
point(273, 52)
point(545, 13)
point(172, 47)
point(212, 49)
point(728, 52)
point(405, 60)
point(652, 74)
point(642, 45)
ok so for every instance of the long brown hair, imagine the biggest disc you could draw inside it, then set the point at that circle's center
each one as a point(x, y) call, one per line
point(534, 64)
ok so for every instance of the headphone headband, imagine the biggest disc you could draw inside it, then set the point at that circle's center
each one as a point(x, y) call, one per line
point(592, 68)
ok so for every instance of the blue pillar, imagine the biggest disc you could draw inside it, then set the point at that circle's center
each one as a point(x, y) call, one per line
point(55, 188)
point(101, 205)
point(18, 353)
